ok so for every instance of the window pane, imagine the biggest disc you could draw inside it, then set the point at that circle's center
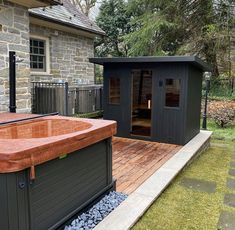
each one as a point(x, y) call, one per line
point(34, 58)
point(114, 90)
point(172, 98)
point(41, 44)
point(37, 54)
point(41, 51)
point(40, 65)
point(35, 42)
point(40, 58)
point(35, 50)
point(34, 65)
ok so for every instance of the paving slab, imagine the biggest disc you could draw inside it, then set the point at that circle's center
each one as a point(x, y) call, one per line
point(229, 200)
point(155, 185)
point(221, 145)
point(230, 183)
point(231, 172)
point(199, 185)
point(226, 221)
point(130, 210)
point(232, 164)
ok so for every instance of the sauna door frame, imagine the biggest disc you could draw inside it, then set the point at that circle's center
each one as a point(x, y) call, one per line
point(152, 103)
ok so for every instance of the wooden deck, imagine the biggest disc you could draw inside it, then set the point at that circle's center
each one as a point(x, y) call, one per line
point(135, 160)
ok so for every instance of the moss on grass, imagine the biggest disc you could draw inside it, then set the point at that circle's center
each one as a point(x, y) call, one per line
point(182, 208)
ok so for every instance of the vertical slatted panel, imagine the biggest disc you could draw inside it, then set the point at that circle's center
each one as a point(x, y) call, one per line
point(193, 102)
point(22, 201)
point(12, 201)
point(63, 185)
point(14, 212)
point(4, 203)
point(48, 97)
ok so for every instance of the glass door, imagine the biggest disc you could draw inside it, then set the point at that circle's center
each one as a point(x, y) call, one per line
point(141, 102)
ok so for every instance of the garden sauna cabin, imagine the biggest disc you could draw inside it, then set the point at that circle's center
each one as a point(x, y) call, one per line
point(154, 98)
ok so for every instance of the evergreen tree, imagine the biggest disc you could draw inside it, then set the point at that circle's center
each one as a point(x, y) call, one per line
point(168, 27)
point(115, 21)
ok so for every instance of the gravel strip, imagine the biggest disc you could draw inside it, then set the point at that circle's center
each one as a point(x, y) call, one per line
point(89, 219)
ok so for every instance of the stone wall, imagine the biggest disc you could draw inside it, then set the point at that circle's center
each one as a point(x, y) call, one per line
point(14, 35)
point(68, 56)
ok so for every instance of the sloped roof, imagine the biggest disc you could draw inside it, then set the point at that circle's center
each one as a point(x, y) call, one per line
point(36, 3)
point(194, 60)
point(67, 14)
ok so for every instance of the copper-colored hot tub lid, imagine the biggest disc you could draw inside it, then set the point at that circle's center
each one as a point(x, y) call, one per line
point(14, 116)
point(34, 142)
point(42, 128)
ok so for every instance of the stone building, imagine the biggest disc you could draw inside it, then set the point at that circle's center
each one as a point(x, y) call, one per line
point(54, 41)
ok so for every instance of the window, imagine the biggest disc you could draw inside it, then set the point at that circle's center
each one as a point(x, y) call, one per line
point(114, 90)
point(38, 55)
point(172, 98)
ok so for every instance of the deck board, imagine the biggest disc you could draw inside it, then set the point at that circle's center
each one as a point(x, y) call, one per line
point(135, 160)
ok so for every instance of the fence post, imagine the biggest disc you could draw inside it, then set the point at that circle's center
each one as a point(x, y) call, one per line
point(66, 99)
point(101, 99)
point(12, 81)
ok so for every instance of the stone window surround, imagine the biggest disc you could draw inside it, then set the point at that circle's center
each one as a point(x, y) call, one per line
point(46, 39)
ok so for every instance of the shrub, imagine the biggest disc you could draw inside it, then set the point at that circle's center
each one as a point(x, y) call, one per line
point(222, 113)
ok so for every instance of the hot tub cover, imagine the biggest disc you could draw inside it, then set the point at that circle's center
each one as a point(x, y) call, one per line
point(19, 154)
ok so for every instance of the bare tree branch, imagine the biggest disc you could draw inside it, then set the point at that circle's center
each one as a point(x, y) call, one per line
point(84, 5)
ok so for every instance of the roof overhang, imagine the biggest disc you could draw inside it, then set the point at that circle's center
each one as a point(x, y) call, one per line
point(56, 25)
point(36, 3)
point(194, 60)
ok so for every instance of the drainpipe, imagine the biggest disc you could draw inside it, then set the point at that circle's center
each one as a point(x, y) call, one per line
point(12, 81)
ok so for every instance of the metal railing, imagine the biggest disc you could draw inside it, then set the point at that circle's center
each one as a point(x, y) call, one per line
point(48, 97)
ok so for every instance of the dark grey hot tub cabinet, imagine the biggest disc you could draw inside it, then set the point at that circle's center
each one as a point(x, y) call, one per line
point(62, 187)
point(175, 125)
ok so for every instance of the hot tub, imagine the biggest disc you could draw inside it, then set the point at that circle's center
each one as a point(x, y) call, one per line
point(52, 167)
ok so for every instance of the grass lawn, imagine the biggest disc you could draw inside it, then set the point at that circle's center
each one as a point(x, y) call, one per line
point(227, 133)
point(183, 208)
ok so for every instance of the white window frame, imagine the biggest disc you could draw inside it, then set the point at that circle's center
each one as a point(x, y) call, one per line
point(46, 39)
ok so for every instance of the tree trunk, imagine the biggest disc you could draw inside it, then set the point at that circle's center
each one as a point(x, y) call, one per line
point(211, 58)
